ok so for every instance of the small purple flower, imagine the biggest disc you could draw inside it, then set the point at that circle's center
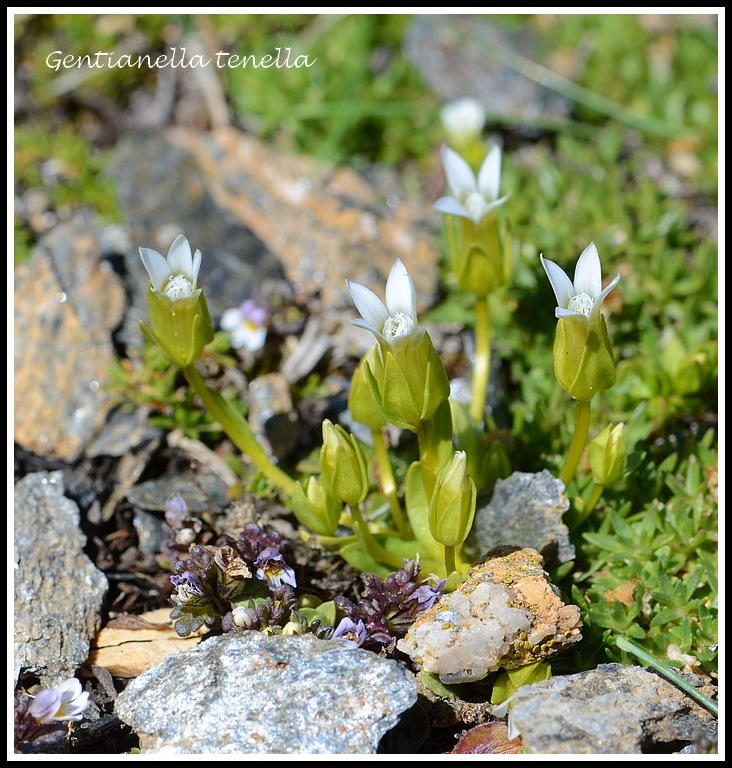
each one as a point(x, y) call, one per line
point(187, 586)
point(349, 633)
point(247, 325)
point(271, 566)
point(426, 596)
point(62, 702)
point(176, 511)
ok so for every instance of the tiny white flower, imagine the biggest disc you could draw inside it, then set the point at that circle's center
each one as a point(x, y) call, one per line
point(62, 702)
point(175, 277)
point(395, 320)
point(247, 325)
point(463, 120)
point(470, 197)
point(584, 297)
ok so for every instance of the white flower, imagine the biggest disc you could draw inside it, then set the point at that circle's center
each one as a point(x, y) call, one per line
point(470, 197)
point(62, 702)
point(398, 318)
point(247, 325)
point(176, 276)
point(584, 297)
point(463, 120)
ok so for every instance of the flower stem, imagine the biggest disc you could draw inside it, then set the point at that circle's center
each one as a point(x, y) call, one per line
point(449, 560)
point(238, 430)
point(388, 484)
point(577, 446)
point(481, 372)
point(594, 497)
point(453, 234)
point(372, 546)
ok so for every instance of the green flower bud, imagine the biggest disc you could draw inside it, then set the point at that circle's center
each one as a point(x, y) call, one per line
point(315, 508)
point(583, 357)
point(476, 251)
point(343, 466)
point(479, 262)
point(361, 403)
point(607, 455)
point(452, 507)
point(404, 372)
point(180, 322)
point(408, 380)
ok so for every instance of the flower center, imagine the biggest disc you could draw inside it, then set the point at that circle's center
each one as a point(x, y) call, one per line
point(179, 287)
point(476, 206)
point(581, 303)
point(398, 324)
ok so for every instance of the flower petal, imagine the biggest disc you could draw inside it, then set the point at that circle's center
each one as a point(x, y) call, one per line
point(157, 267)
point(360, 323)
point(489, 176)
point(230, 320)
point(495, 204)
point(400, 292)
point(451, 206)
point(369, 306)
point(179, 257)
point(561, 284)
point(597, 304)
point(459, 175)
point(196, 266)
point(69, 689)
point(587, 273)
point(45, 705)
point(559, 313)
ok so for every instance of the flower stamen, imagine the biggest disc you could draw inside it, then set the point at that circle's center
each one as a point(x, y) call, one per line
point(179, 287)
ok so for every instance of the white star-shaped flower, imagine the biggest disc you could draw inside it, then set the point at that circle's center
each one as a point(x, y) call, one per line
point(175, 277)
point(471, 197)
point(395, 320)
point(584, 297)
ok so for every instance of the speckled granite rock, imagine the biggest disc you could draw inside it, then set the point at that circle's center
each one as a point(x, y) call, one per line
point(67, 301)
point(58, 592)
point(252, 694)
point(614, 709)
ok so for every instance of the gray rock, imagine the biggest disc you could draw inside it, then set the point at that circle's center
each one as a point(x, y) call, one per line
point(468, 55)
point(203, 492)
point(149, 530)
point(249, 693)
point(58, 592)
point(67, 302)
point(614, 709)
point(525, 510)
point(124, 431)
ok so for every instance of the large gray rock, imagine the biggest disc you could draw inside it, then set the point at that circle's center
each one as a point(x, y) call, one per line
point(525, 510)
point(58, 592)
point(250, 693)
point(614, 709)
